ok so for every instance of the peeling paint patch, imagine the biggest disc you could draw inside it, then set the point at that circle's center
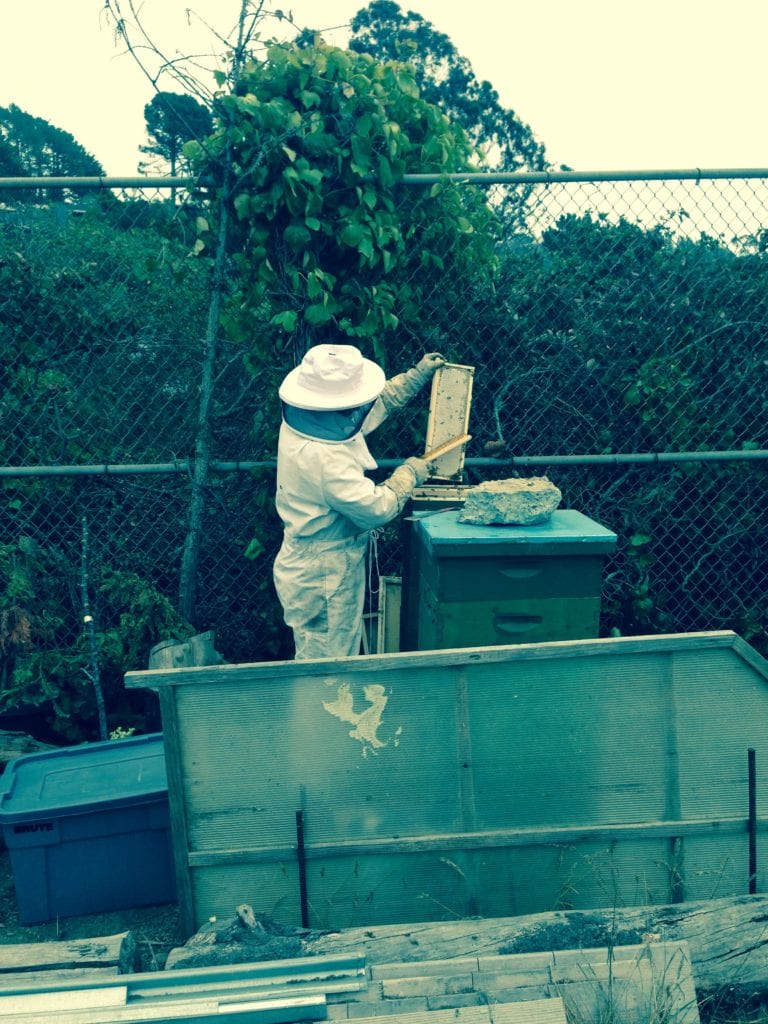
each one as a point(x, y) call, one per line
point(366, 723)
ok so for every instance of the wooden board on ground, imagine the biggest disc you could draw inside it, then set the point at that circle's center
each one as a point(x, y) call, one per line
point(55, 1003)
point(50, 979)
point(105, 951)
point(625, 983)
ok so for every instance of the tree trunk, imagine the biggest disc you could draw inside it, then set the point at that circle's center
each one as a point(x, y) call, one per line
point(197, 504)
point(191, 555)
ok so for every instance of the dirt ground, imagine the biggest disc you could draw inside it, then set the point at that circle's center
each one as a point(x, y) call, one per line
point(156, 929)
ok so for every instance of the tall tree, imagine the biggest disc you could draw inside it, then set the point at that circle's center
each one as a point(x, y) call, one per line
point(447, 79)
point(10, 165)
point(40, 148)
point(173, 119)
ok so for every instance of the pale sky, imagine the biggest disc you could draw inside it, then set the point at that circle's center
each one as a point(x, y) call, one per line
point(604, 84)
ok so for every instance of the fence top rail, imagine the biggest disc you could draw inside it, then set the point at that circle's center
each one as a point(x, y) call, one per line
point(137, 181)
point(696, 174)
point(548, 177)
point(186, 466)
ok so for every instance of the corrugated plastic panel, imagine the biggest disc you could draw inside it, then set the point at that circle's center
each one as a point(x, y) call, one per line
point(492, 781)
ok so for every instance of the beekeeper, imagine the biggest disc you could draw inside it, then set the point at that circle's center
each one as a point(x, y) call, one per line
point(330, 402)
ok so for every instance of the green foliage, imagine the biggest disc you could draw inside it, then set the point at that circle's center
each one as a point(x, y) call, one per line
point(43, 648)
point(98, 323)
point(90, 315)
point(447, 79)
point(653, 342)
point(324, 243)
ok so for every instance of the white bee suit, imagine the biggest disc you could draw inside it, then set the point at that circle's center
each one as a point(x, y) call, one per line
point(328, 507)
point(326, 502)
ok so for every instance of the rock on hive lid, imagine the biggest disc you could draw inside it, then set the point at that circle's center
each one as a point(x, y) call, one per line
point(515, 501)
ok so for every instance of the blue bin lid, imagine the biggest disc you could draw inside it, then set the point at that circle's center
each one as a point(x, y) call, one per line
point(566, 532)
point(74, 780)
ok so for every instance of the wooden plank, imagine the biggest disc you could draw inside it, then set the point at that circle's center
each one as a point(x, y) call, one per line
point(533, 1011)
point(239, 990)
point(748, 654)
point(345, 973)
point(641, 975)
point(48, 980)
point(460, 1015)
point(447, 446)
point(656, 984)
point(553, 961)
point(199, 1011)
point(267, 672)
point(623, 983)
point(519, 963)
point(54, 1003)
point(497, 839)
point(390, 601)
point(106, 951)
point(425, 968)
point(672, 803)
point(177, 808)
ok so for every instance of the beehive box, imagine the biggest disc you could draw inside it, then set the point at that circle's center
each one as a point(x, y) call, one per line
point(481, 585)
point(430, 498)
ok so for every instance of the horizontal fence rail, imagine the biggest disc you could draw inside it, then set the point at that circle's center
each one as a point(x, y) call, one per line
point(617, 459)
point(623, 333)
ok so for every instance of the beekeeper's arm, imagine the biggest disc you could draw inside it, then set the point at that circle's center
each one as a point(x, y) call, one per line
point(347, 490)
point(399, 390)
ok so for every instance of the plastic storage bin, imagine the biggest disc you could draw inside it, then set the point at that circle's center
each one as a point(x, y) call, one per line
point(88, 828)
point(485, 585)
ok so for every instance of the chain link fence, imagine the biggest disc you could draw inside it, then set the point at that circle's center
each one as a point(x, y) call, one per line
point(619, 345)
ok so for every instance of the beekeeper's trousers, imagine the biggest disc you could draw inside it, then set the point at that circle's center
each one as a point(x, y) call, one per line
point(321, 586)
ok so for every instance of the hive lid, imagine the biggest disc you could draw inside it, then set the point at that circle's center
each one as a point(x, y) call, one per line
point(567, 532)
point(73, 780)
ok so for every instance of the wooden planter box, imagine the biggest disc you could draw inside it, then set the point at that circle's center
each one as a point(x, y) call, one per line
point(487, 781)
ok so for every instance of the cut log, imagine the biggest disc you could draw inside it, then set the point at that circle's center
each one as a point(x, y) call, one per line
point(246, 937)
point(107, 951)
point(728, 938)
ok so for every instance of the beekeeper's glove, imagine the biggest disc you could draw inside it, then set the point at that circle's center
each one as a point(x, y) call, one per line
point(413, 473)
point(428, 363)
point(400, 389)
